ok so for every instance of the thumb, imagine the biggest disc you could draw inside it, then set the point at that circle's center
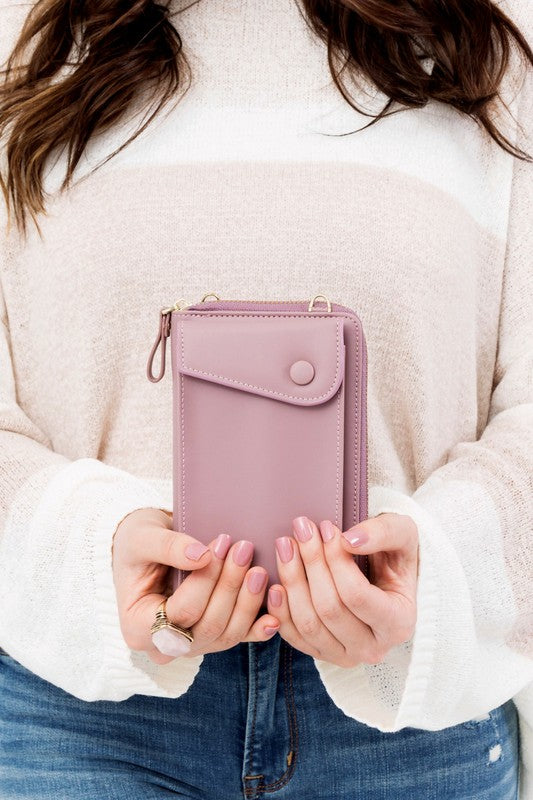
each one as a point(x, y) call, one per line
point(149, 539)
point(387, 532)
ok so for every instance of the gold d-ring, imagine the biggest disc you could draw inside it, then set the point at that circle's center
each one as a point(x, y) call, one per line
point(323, 296)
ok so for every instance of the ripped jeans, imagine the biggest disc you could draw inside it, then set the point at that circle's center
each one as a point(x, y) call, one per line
point(256, 722)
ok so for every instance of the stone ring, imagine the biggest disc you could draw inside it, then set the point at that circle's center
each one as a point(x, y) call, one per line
point(169, 638)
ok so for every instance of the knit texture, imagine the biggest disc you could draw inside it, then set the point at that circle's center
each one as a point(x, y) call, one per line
point(421, 224)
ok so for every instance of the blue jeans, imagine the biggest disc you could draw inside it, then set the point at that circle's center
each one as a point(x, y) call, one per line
point(256, 722)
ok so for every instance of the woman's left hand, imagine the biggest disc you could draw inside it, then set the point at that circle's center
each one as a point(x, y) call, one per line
point(328, 608)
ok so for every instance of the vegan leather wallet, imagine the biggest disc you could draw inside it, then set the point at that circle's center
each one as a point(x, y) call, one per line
point(269, 418)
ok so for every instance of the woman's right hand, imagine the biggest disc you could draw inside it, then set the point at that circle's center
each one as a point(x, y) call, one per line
point(217, 600)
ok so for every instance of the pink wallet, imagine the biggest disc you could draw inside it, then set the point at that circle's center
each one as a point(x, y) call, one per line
point(269, 419)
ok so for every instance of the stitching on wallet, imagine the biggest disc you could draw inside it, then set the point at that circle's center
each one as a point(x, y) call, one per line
point(182, 390)
point(357, 442)
point(338, 458)
point(253, 385)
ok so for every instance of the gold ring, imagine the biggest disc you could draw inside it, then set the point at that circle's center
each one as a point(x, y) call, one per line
point(164, 632)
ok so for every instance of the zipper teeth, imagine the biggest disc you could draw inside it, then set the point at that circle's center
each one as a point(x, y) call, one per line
point(227, 300)
point(241, 300)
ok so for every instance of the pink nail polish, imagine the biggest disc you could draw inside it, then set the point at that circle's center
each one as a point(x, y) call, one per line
point(269, 631)
point(243, 552)
point(355, 538)
point(256, 581)
point(195, 550)
point(327, 531)
point(274, 596)
point(284, 548)
point(222, 545)
point(302, 528)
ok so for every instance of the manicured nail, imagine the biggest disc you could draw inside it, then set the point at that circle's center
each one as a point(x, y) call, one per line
point(274, 595)
point(243, 552)
point(269, 631)
point(327, 531)
point(355, 538)
point(284, 548)
point(302, 528)
point(195, 550)
point(170, 642)
point(256, 581)
point(222, 544)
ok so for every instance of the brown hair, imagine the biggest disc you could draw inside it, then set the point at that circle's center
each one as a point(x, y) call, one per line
point(116, 50)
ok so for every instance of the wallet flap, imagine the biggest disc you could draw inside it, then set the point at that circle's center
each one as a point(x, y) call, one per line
point(294, 358)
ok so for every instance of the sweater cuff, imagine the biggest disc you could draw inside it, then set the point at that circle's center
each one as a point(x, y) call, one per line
point(73, 637)
point(364, 692)
point(126, 672)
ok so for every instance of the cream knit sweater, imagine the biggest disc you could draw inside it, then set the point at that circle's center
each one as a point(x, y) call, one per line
point(420, 223)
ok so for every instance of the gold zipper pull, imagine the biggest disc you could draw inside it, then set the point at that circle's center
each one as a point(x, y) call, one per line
point(162, 336)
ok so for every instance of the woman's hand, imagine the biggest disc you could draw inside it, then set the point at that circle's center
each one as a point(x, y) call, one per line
point(219, 600)
point(326, 606)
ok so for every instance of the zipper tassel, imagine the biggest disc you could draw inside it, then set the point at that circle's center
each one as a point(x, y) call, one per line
point(162, 336)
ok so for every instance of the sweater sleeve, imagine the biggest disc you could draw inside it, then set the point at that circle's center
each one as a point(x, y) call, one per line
point(473, 643)
point(58, 611)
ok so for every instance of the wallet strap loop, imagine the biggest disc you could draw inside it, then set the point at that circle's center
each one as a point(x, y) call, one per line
point(162, 336)
point(163, 333)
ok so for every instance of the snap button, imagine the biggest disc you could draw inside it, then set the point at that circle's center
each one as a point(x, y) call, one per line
point(302, 372)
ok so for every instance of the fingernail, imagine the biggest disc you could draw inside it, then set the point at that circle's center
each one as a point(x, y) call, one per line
point(327, 531)
point(243, 552)
point(195, 550)
point(222, 544)
point(269, 631)
point(302, 528)
point(170, 642)
point(274, 595)
point(256, 581)
point(284, 548)
point(355, 538)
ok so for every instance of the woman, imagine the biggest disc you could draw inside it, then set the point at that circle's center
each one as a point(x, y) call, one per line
point(264, 181)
